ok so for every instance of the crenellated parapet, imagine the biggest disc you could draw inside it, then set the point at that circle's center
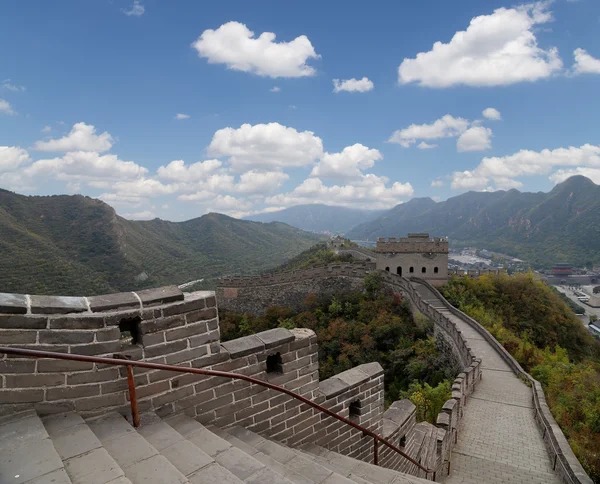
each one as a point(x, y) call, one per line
point(414, 243)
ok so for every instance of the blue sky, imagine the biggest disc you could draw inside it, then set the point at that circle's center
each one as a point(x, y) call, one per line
point(90, 93)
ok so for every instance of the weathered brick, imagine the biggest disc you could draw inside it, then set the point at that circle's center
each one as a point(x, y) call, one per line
point(22, 381)
point(211, 301)
point(13, 303)
point(69, 393)
point(214, 404)
point(21, 396)
point(45, 366)
point(9, 321)
point(16, 366)
point(165, 349)
point(184, 307)
point(158, 375)
point(10, 337)
point(77, 322)
point(201, 315)
point(57, 304)
point(111, 334)
point(204, 338)
point(162, 324)
point(151, 313)
point(172, 396)
point(160, 295)
point(66, 337)
point(108, 374)
point(186, 331)
point(186, 379)
point(96, 348)
point(275, 337)
point(210, 360)
point(114, 386)
point(113, 319)
point(92, 403)
point(186, 355)
point(152, 389)
point(47, 408)
point(111, 302)
point(213, 324)
point(251, 410)
point(152, 339)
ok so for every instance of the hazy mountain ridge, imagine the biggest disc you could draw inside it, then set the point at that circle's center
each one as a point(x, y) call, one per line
point(562, 225)
point(319, 217)
point(76, 245)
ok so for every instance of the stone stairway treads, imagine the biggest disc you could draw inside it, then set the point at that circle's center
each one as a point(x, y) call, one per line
point(84, 458)
point(298, 468)
point(27, 453)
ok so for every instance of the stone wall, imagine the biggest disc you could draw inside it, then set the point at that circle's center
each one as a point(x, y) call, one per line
point(414, 243)
point(432, 267)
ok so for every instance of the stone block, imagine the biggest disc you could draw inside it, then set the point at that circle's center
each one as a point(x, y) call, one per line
point(111, 334)
point(275, 337)
point(160, 295)
point(332, 387)
point(111, 302)
point(186, 331)
point(201, 315)
point(162, 324)
point(211, 301)
point(57, 304)
point(184, 307)
point(210, 360)
point(65, 337)
point(165, 349)
point(77, 322)
point(39, 380)
point(353, 377)
point(372, 369)
point(215, 403)
point(92, 403)
point(205, 338)
point(17, 366)
point(186, 355)
point(152, 389)
point(96, 348)
point(114, 319)
point(243, 346)
point(21, 396)
point(153, 338)
point(13, 303)
point(9, 321)
point(70, 393)
point(171, 396)
point(109, 374)
point(11, 337)
point(48, 365)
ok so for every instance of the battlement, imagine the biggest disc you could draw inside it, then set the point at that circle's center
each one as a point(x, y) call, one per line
point(413, 243)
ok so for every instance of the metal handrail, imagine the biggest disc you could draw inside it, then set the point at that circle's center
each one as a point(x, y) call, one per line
point(200, 371)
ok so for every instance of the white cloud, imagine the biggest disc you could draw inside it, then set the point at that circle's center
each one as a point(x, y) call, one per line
point(12, 87)
point(144, 187)
point(504, 170)
point(445, 127)
point(437, 183)
point(123, 199)
point(265, 146)
point(585, 63)
point(369, 192)
point(275, 89)
point(492, 114)
point(136, 10)
point(46, 129)
point(227, 204)
point(12, 157)
point(145, 215)
point(234, 44)
point(426, 146)
point(82, 137)
point(496, 49)
point(353, 85)
point(476, 138)
point(261, 181)
point(178, 171)
point(561, 175)
point(5, 107)
point(182, 116)
point(348, 164)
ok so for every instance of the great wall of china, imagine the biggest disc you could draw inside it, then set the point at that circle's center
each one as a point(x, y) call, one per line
point(473, 432)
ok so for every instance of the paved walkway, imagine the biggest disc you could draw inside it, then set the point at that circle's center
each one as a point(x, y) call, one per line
point(498, 439)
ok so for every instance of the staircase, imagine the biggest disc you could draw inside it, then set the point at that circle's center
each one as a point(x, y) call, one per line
point(65, 448)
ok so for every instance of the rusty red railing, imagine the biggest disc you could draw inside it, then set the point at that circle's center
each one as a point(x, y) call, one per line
point(200, 371)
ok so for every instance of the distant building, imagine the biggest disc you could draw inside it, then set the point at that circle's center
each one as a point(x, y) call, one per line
point(562, 270)
point(417, 255)
point(337, 241)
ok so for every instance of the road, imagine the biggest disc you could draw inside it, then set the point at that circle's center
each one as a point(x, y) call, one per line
point(588, 310)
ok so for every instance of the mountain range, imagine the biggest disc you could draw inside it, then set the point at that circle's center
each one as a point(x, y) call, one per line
point(319, 218)
point(76, 245)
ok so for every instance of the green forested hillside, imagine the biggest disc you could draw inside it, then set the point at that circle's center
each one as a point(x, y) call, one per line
point(542, 228)
point(75, 245)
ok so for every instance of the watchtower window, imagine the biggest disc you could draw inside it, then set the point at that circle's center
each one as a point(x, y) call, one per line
point(274, 363)
point(399, 271)
point(130, 330)
point(436, 270)
point(354, 410)
point(424, 270)
point(411, 270)
point(387, 269)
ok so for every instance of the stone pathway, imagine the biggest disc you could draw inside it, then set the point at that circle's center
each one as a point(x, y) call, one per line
point(498, 439)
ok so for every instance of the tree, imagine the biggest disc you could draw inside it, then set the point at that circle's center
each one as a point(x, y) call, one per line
point(373, 284)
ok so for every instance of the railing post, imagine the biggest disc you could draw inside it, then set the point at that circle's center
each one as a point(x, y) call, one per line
point(375, 451)
point(132, 397)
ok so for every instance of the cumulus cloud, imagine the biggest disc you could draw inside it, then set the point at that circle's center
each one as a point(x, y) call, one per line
point(136, 10)
point(46, 129)
point(7, 84)
point(446, 127)
point(5, 107)
point(181, 116)
point(437, 183)
point(426, 146)
point(353, 85)
point(265, 146)
point(275, 89)
point(144, 215)
point(560, 176)
point(12, 157)
point(496, 49)
point(585, 63)
point(476, 138)
point(348, 164)
point(492, 114)
point(504, 170)
point(82, 137)
point(178, 171)
point(255, 181)
point(234, 45)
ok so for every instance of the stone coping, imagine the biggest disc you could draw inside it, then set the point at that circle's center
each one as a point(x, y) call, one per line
point(259, 342)
point(25, 304)
point(571, 469)
point(352, 378)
